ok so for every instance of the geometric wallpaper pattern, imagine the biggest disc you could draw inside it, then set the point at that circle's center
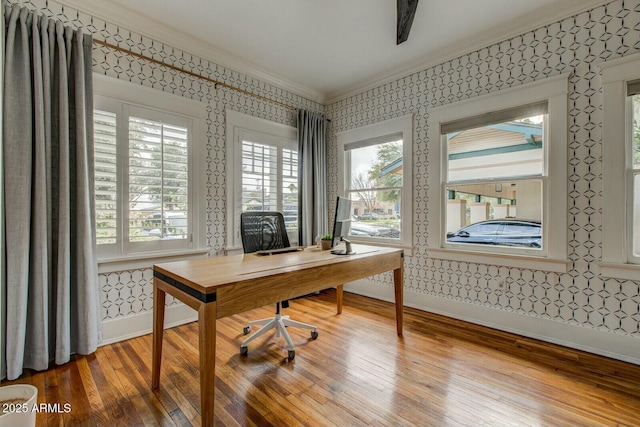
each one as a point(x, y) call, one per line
point(128, 293)
point(573, 45)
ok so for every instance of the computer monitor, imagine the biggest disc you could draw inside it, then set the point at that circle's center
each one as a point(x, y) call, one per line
point(341, 226)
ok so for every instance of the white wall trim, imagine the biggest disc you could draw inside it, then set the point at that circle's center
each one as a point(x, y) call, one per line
point(147, 260)
point(616, 117)
point(594, 341)
point(237, 123)
point(404, 125)
point(113, 92)
point(552, 89)
point(504, 260)
point(620, 270)
point(124, 328)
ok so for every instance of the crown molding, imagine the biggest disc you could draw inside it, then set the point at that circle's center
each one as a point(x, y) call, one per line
point(115, 14)
point(519, 26)
point(121, 16)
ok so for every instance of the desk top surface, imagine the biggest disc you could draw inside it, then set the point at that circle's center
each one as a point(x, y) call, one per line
point(208, 274)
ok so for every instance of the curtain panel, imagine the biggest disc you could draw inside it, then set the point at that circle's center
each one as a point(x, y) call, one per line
point(51, 287)
point(312, 176)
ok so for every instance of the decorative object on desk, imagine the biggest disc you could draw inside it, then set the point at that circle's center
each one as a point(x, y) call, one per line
point(326, 241)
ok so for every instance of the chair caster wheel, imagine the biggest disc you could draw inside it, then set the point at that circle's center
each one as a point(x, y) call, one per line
point(246, 330)
point(292, 354)
point(314, 335)
point(244, 350)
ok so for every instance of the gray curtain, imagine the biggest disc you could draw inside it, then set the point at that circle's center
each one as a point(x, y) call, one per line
point(52, 298)
point(312, 176)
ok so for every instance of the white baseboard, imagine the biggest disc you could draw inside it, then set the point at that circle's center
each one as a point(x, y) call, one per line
point(594, 341)
point(141, 324)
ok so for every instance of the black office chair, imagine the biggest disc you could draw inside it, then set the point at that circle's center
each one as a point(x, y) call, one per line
point(265, 231)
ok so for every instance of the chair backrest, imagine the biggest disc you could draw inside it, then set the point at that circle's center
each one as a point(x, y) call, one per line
point(263, 231)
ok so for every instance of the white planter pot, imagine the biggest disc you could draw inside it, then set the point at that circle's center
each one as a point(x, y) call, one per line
point(18, 413)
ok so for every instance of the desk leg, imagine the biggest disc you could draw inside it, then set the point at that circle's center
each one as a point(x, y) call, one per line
point(158, 331)
point(207, 327)
point(339, 292)
point(398, 283)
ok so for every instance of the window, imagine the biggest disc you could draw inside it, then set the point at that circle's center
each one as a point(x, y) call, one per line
point(144, 169)
point(621, 168)
point(263, 165)
point(495, 168)
point(375, 165)
point(502, 162)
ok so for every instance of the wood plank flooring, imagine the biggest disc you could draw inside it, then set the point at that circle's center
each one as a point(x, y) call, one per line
point(357, 373)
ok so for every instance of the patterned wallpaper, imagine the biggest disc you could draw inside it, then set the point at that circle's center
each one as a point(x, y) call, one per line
point(576, 45)
point(130, 292)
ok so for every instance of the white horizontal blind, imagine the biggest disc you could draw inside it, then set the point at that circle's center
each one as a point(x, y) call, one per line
point(106, 191)
point(509, 114)
point(633, 89)
point(158, 191)
point(290, 189)
point(269, 180)
point(259, 177)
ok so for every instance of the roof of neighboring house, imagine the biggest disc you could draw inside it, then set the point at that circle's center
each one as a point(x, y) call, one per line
point(393, 167)
point(484, 141)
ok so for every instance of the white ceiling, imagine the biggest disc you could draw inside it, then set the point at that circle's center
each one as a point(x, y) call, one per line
point(327, 49)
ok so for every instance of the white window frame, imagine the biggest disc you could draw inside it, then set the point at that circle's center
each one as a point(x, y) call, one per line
point(279, 135)
point(617, 259)
point(379, 131)
point(113, 94)
point(554, 90)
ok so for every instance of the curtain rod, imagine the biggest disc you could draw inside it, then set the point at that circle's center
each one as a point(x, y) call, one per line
point(199, 76)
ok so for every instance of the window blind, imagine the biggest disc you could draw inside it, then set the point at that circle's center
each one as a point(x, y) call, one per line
point(259, 176)
point(633, 87)
point(373, 141)
point(501, 116)
point(158, 179)
point(104, 135)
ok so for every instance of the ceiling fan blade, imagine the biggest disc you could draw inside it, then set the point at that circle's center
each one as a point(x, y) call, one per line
point(406, 12)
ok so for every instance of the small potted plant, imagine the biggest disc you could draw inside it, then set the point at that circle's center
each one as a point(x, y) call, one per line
point(326, 241)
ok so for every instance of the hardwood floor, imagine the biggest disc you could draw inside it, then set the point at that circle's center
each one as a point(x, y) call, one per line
point(358, 372)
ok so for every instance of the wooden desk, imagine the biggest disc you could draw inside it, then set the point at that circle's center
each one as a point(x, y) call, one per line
point(222, 286)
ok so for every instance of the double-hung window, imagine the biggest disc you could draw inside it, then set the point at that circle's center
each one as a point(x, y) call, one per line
point(375, 173)
point(144, 145)
point(263, 158)
point(498, 177)
point(495, 177)
point(621, 168)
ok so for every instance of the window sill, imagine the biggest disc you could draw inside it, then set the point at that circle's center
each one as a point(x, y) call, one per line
point(233, 250)
point(503, 260)
point(408, 249)
point(139, 261)
point(619, 270)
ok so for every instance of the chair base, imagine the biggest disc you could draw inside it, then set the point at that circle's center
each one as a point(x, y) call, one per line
point(279, 323)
